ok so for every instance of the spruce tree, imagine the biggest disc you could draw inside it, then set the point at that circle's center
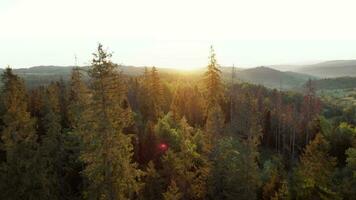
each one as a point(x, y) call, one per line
point(186, 160)
point(107, 152)
point(213, 83)
point(214, 96)
point(314, 173)
point(52, 143)
point(78, 98)
point(156, 92)
point(234, 173)
point(154, 184)
point(20, 175)
point(172, 192)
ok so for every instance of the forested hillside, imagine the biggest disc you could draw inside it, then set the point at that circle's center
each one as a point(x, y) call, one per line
point(335, 83)
point(105, 134)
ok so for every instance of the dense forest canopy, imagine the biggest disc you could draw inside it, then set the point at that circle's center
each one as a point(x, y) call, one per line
point(102, 134)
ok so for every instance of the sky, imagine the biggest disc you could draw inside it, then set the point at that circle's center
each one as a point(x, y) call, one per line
point(176, 33)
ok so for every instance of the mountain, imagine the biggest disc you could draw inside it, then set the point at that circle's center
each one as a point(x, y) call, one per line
point(284, 68)
point(273, 78)
point(335, 83)
point(328, 69)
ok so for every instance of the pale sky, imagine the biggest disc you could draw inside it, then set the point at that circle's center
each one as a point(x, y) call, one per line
point(177, 33)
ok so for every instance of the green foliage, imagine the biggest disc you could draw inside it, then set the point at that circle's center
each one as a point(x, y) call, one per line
point(106, 150)
point(154, 184)
point(351, 160)
point(51, 148)
point(313, 177)
point(172, 192)
point(186, 160)
point(340, 140)
point(213, 82)
point(235, 172)
point(273, 176)
point(20, 175)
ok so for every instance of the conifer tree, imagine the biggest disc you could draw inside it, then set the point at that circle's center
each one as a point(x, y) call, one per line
point(156, 92)
point(234, 174)
point(21, 177)
point(282, 193)
point(213, 82)
point(172, 192)
point(351, 160)
point(186, 159)
point(78, 98)
point(187, 102)
point(153, 188)
point(107, 152)
point(151, 95)
point(52, 143)
point(314, 173)
point(214, 96)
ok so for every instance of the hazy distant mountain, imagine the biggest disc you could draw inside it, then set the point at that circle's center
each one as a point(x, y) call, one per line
point(335, 83)
point(328, 69)
point(273, 78)
point(336, 68)
point(284, 67)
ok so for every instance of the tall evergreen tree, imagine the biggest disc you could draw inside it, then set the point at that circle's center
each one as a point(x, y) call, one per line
point(78, 102)
point(156, 92)
point(313, 175)
point(78, 98)
point(20, 175)
point(172, 192)
point(213, 83)
point(107, 152)
point(234, 173)
point(214, 96)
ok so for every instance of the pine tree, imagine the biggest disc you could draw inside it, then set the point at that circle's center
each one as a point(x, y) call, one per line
point(52, 143)
point(351, 160)
point(153, 188)
point(282, 193)
point(314, 173)
point(151, 95)
point(78, 98)
point(234, 173)
point(107, 152)
point(185, 161)
point(187, 102)
point(63, 103)
point(214, 96)
point(172, 192)
point(156, 92)
point(20, 176)
point(213, 82)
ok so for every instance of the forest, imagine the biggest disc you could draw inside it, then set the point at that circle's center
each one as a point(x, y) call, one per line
point(104, 135)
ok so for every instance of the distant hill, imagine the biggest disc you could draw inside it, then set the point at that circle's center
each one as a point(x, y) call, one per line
point(335, 83)
point(284, 68)
point(273, 78)
point(328, 69)
point(268, 77)
point(336, 68)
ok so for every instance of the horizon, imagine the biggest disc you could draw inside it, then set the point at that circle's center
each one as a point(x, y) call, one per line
point(273, 66)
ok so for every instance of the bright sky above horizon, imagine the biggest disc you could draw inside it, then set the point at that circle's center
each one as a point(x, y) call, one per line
point(176, 33)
